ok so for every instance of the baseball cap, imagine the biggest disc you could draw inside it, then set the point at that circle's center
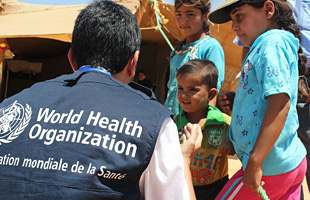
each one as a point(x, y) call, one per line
point(219, 15)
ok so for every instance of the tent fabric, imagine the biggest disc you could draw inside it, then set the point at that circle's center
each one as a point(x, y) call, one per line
point(56, 22)
point(45, 21)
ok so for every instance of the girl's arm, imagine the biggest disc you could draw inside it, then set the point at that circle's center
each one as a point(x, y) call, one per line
point(273, 123)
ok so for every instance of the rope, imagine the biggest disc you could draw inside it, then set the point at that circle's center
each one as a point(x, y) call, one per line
point(158, 26)
point(193, 50)
point(263, 193)
point(162, 32)
point(149, 28)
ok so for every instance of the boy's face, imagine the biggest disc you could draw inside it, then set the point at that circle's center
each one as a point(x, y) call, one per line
point(193, 95)
point(249, 23)
point(190, 22)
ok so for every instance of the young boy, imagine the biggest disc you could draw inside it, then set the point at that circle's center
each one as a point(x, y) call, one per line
point(197, 83)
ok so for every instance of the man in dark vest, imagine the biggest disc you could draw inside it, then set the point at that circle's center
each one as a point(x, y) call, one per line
point(90, 134)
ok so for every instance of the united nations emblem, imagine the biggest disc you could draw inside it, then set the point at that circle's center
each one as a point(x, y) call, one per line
point(215, 136)
point(13, 120)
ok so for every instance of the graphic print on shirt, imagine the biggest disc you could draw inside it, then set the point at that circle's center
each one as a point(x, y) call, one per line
point(215, 136)
point(250, 91)
point(245, 132)
point(239, 120)
point(13, 120)
point(204, 175)
point(272, 72)
point(204, 166)
point(247, 67)
point(255, 113)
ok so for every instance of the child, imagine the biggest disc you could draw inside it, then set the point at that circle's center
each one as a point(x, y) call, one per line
point(143, 80)
point(264, 118)
point(197, 81)
point(191, 19)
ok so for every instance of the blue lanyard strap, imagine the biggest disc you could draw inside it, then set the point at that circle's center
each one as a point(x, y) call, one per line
point(89, 68)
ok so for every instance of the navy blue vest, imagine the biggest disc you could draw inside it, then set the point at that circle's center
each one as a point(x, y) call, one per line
point(79, 136)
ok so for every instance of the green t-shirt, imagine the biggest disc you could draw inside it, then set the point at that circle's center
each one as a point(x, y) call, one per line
point(209, 165)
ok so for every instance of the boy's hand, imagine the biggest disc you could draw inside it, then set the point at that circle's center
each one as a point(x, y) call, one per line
point(192, 139)
point(227, 148)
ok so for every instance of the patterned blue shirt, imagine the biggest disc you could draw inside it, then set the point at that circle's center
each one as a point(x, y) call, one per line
point(271, 67)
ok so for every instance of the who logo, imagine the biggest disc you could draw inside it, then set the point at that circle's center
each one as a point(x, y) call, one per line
point(13, 120)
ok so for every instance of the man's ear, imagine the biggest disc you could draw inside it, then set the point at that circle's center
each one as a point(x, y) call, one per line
point(72, 60)
point(269, 8)
point(212, 93)
point(132, 63)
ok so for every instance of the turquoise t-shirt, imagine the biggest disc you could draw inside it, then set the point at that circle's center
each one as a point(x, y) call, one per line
point(205, 48)
point(271, 67)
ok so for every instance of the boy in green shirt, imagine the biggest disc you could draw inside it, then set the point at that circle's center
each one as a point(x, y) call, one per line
point(197, 83)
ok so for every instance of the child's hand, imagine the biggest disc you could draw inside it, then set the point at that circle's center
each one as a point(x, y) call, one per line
point(227, 148)
point(192, 139)
point(226, 101)
point(252, 178)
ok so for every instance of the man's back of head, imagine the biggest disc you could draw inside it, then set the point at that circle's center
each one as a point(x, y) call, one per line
point(105, 35)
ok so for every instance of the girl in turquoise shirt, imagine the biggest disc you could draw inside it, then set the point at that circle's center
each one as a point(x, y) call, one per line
point(191, 19)
point(264, 119)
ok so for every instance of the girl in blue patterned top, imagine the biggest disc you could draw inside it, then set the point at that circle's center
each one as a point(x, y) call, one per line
point(264, 118)
point(191, 19)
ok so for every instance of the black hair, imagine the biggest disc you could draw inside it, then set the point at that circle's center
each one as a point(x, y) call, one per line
point(205, 70)
point(285, 20)
point(105, 35)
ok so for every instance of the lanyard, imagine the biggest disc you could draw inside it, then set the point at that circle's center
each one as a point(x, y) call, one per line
point(89, 68)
